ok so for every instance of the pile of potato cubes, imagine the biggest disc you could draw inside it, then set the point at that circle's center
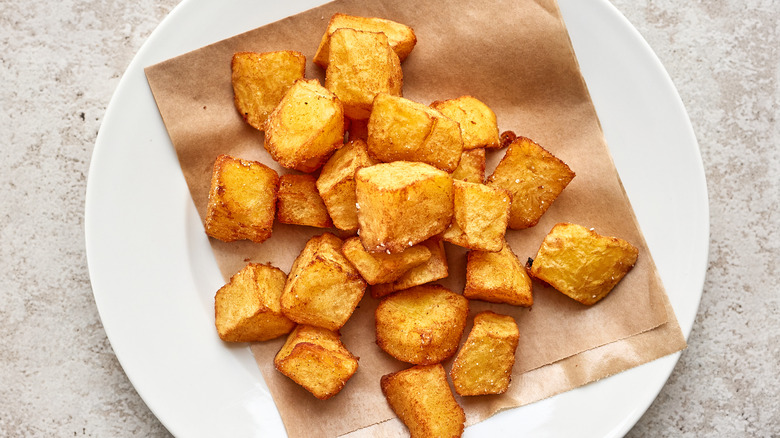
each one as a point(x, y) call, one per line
point(401, 178)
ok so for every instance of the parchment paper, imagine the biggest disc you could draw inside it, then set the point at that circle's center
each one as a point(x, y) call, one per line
point(516, 57)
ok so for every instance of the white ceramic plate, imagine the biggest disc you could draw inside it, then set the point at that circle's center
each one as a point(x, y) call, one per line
point(154, 276)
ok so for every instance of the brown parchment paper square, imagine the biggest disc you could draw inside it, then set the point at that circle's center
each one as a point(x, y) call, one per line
point(516, 57)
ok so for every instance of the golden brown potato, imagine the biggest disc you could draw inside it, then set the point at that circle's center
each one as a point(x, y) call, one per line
point(381, 267)
point(299, 202)
point(336, 183)
point(480, 219)
point(323, 288)
point(315, 358)
point(403, 130)
point(484, 362)
point(478, 125)
point(422, 399)
point(497, 277)
point(247, 308)
point(358, 129)
point(581, 263)
point(421, 325)
point(401, 204)
point(260, 80)
point(533, 177)
point(306, 127)
point(242, 200)
point(360, 65)
point(471, 167)
point(434, 269)
point(400, 37)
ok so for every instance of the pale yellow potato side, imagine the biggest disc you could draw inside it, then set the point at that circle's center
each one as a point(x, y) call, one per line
point(381, 267)
point(533, 177)
point(316, 359)
point(323, 288)
point(478, 123)
point(260, 80)
point(423, 400)
point(306, 127)
point(421, 325)
point(400, 37)
point(434, 269)
point(242, 200)
point(400, 129)
point(481, 215)
point(484, 363)
point(247, 308)
point(361, 65)
point(299, 202)
point(471, 167)
point(581, 263)
point(336, 183)
point(497, 277)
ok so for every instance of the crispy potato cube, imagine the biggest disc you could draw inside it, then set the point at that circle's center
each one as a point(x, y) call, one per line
point(533, 177)
point(497, 277)
point(421, 325)
point(323, 288)
point(403, 130)
point(336, 183)
point(401, 204)
point(422, 399)
point(484, 363)
point(315, 358)
point(400, 36)
point(581, 263)
point(480, 219)
point(471, 167)
point(360, 65)
point(434, 269)
point(306, 127)
point(478, 125)
point(299, 202)
point(260, 80)
point(382, 267)
point(242, 200)
point(247, 308)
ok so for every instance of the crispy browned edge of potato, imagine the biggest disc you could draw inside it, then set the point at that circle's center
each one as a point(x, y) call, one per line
point(299, 192)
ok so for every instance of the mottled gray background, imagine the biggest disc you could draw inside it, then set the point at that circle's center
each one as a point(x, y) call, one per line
point(59, 65)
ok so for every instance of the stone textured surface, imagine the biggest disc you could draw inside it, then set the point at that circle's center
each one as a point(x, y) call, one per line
point(60, 62)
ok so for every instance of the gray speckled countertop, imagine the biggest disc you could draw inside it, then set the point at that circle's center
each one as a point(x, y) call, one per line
point(61, 61)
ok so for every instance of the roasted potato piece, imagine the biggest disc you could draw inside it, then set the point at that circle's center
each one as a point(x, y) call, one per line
point(400, 37)
point(403, 130)
point(360, 65)
point(382, 267)
point(323, 288)
point(497, 277)
point(242, 200)
point(401, 204)
point(315, 358)
point(247, 308)
point(533, 177)
point(260, 80)
point(299, 202)
point(421, 325)
point(478, 125)
point(422, 399)
point(306, 127)
point(480, 219)
point(336, 183)
point(434, 269)
point(581, 263)
point(484, 362)
point(471, 167)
